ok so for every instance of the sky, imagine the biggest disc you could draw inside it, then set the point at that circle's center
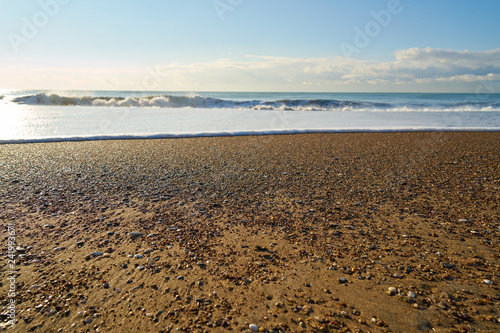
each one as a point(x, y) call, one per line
point(250, 45)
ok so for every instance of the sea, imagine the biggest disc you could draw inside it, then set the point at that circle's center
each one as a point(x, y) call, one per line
point(49, 116)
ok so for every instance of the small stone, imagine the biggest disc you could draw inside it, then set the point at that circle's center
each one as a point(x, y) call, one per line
point(141, 267)
point(138, 256)
point(253, 327)
point(124, 265)
point(110, 233)
point(147, 251)
point(392, 290)
point(488, 282)
point(88, 320)
point(411, 294)
point(180, 277)
point(307, 309)
point(342, 280)
point(448, 265)
point(96, 254)
point(135, 234)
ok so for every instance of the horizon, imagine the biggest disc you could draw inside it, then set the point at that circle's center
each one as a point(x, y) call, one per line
point(393, 46)
point(55, 91)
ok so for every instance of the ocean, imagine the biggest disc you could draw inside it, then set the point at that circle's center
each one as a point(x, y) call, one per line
point(47, 116)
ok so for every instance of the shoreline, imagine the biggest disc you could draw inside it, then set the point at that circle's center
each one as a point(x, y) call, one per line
point(295, 233)
point(126, 137)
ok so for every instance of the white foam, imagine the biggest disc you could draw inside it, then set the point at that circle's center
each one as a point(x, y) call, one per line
point(42, 123)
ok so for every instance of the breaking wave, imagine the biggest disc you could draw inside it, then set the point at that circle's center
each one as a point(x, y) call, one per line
point(171, 101)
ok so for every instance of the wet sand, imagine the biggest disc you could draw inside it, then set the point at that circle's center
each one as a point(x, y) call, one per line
point(346, 232)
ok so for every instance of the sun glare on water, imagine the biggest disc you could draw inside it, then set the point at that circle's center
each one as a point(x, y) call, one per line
point(11, 121)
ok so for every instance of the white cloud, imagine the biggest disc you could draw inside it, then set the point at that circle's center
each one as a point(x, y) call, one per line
point(412, 69)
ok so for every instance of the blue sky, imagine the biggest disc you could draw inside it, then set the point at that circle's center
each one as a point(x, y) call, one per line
point(250, 45)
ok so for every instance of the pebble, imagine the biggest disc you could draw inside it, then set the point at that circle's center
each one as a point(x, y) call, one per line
point(96, 254)
point(141, 267)
point(253, 327)
point(342, 280)
point(147, 251)
point(411, 294)
point(138, 256)
point(135, 234)
point(488, 282)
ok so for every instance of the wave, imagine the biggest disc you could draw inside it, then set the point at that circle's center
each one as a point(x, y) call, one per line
point(171, 101)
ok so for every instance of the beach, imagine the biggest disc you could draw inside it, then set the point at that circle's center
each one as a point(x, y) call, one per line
point(354, 232)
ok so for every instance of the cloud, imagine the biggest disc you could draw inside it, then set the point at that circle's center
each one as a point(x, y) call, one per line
point(411, 70)
point(411, 67)
point(450, 58)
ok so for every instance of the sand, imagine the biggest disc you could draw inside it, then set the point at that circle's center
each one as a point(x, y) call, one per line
point(359, 232)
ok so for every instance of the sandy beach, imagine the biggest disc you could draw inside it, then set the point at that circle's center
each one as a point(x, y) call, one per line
point(351, 232)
